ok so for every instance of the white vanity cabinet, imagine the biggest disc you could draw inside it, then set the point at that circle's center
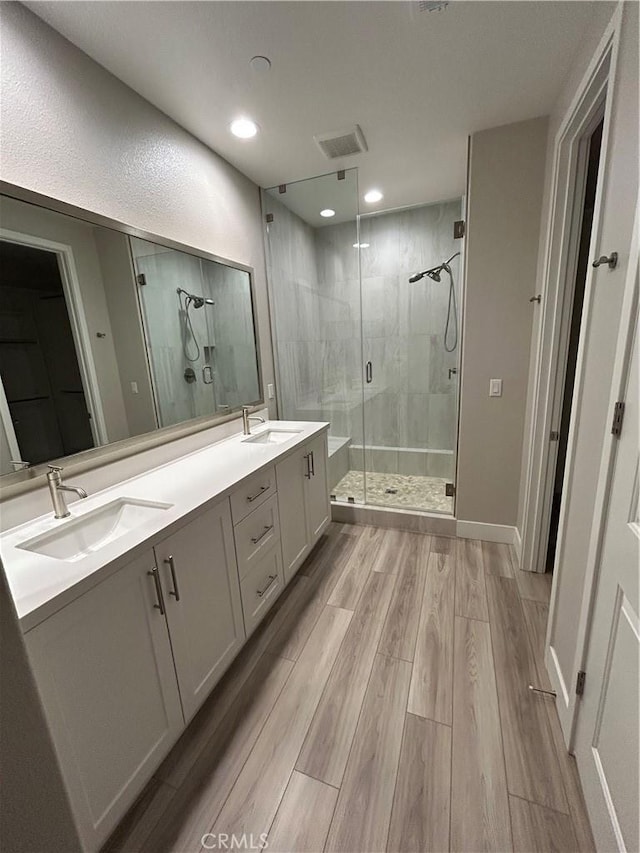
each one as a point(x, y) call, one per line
point(104, 669)
point(303, 500)
point(124, 666)
point(197, 567)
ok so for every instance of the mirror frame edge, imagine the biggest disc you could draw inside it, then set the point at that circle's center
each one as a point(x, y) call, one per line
point(19, 482)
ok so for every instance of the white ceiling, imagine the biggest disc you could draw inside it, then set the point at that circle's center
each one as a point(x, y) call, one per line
point(418, 83)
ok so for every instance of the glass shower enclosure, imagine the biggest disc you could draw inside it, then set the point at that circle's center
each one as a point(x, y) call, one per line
point(359, 345)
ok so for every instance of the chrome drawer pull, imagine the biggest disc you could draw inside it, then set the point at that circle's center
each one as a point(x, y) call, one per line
point(256, 539)
point(307, 458)
point(251, 498)
point(175, 592)
point(261, 592)
point(156, 579)
point(313, 465)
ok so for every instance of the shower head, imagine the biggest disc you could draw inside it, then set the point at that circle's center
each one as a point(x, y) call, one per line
point(433, 274)
point(196, 301)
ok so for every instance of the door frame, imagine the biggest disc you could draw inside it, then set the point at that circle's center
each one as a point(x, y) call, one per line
point(594, 97)
point(622, 364)
point(79, 328)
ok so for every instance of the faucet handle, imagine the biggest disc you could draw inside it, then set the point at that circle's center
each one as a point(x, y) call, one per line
point(53, 470)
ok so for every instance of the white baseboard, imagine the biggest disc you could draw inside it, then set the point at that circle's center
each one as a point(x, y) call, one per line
point(505, 533)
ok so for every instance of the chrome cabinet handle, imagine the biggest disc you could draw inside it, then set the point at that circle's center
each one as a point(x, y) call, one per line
point(313, 465)
point(256, 539)
point(175, 592)
point(251, 498)
point(369, 372)
point(307, 457)
point(611, 261)
point(261, 592)
point(156, 579)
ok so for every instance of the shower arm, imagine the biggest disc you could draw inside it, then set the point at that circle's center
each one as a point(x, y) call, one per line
point(438, 268)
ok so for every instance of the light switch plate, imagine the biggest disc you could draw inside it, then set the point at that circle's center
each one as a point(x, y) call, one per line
point(271, 392)
point(495, 387)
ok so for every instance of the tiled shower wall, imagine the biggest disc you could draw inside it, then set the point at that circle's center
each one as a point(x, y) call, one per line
point(224, 333)
point(410, 406)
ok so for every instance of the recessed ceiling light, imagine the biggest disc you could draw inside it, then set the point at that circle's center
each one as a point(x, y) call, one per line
point(260, 63)
point(327, 212)
point(360, 245)
point(244, 128)
point(373, 196)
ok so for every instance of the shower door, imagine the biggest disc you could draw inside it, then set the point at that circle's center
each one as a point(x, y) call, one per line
point(411, 366)
point(316, 315)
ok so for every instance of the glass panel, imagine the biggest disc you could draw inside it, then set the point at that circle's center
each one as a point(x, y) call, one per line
point(198, 324)
point(316, 315)
point(411, 400)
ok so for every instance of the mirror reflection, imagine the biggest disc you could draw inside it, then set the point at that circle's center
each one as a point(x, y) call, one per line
point(104, 336)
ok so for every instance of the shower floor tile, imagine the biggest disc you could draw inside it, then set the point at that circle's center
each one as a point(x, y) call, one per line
point(396, 490)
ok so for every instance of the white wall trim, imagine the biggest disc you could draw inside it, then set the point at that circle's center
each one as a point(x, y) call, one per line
point(504, 533)
point(597, 84)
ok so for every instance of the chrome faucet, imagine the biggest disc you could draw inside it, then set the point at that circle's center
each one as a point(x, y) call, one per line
point(246, 418)
point(56, 488)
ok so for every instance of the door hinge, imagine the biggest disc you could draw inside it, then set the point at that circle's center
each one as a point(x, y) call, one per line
point(141, 279)
point(458, 229)
point(269, 217)
point(554, 435)
point(449, 490)
point(618, 417)
point(580, 680)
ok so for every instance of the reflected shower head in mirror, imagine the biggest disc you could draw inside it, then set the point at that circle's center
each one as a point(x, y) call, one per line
point(196, 301)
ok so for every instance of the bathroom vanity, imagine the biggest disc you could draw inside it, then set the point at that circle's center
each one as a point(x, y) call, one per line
point(134, 606)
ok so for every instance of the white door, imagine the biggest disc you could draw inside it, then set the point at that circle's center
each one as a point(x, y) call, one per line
point(199, 575)
point(589, 430)
point(317, 488)
point(291, 476)
point(607, 744)
point(104, 669)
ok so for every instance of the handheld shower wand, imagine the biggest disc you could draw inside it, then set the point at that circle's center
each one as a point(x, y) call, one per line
point(434, 275)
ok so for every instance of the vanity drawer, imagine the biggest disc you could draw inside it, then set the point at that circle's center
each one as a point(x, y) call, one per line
point(261, 587)
point(254, 492)
point(256, 534)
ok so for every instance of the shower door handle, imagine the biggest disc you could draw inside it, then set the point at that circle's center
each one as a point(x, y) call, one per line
point(369, 372)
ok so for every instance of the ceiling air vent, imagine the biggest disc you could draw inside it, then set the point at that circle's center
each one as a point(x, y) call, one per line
point(341, 143)
point(432, 5)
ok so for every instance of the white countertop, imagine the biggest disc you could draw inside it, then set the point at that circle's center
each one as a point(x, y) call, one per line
point(40, 585)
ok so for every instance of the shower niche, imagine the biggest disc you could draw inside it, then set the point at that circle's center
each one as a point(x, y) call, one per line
point(360, 345)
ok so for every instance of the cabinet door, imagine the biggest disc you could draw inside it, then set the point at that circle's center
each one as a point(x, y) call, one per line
point(291, 476)
point(104, 669)
point(317, 489)
point(202, 593)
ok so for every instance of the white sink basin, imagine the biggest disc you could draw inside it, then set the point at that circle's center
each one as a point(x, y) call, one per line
point(273, 436)
point(77, 537)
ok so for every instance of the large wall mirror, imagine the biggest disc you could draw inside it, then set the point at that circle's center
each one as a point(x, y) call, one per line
point(105, 336)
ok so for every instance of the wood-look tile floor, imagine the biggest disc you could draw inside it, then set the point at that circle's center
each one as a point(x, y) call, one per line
point(383, 705)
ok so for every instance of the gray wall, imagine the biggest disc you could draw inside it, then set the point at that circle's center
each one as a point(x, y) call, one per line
point(504, 208)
